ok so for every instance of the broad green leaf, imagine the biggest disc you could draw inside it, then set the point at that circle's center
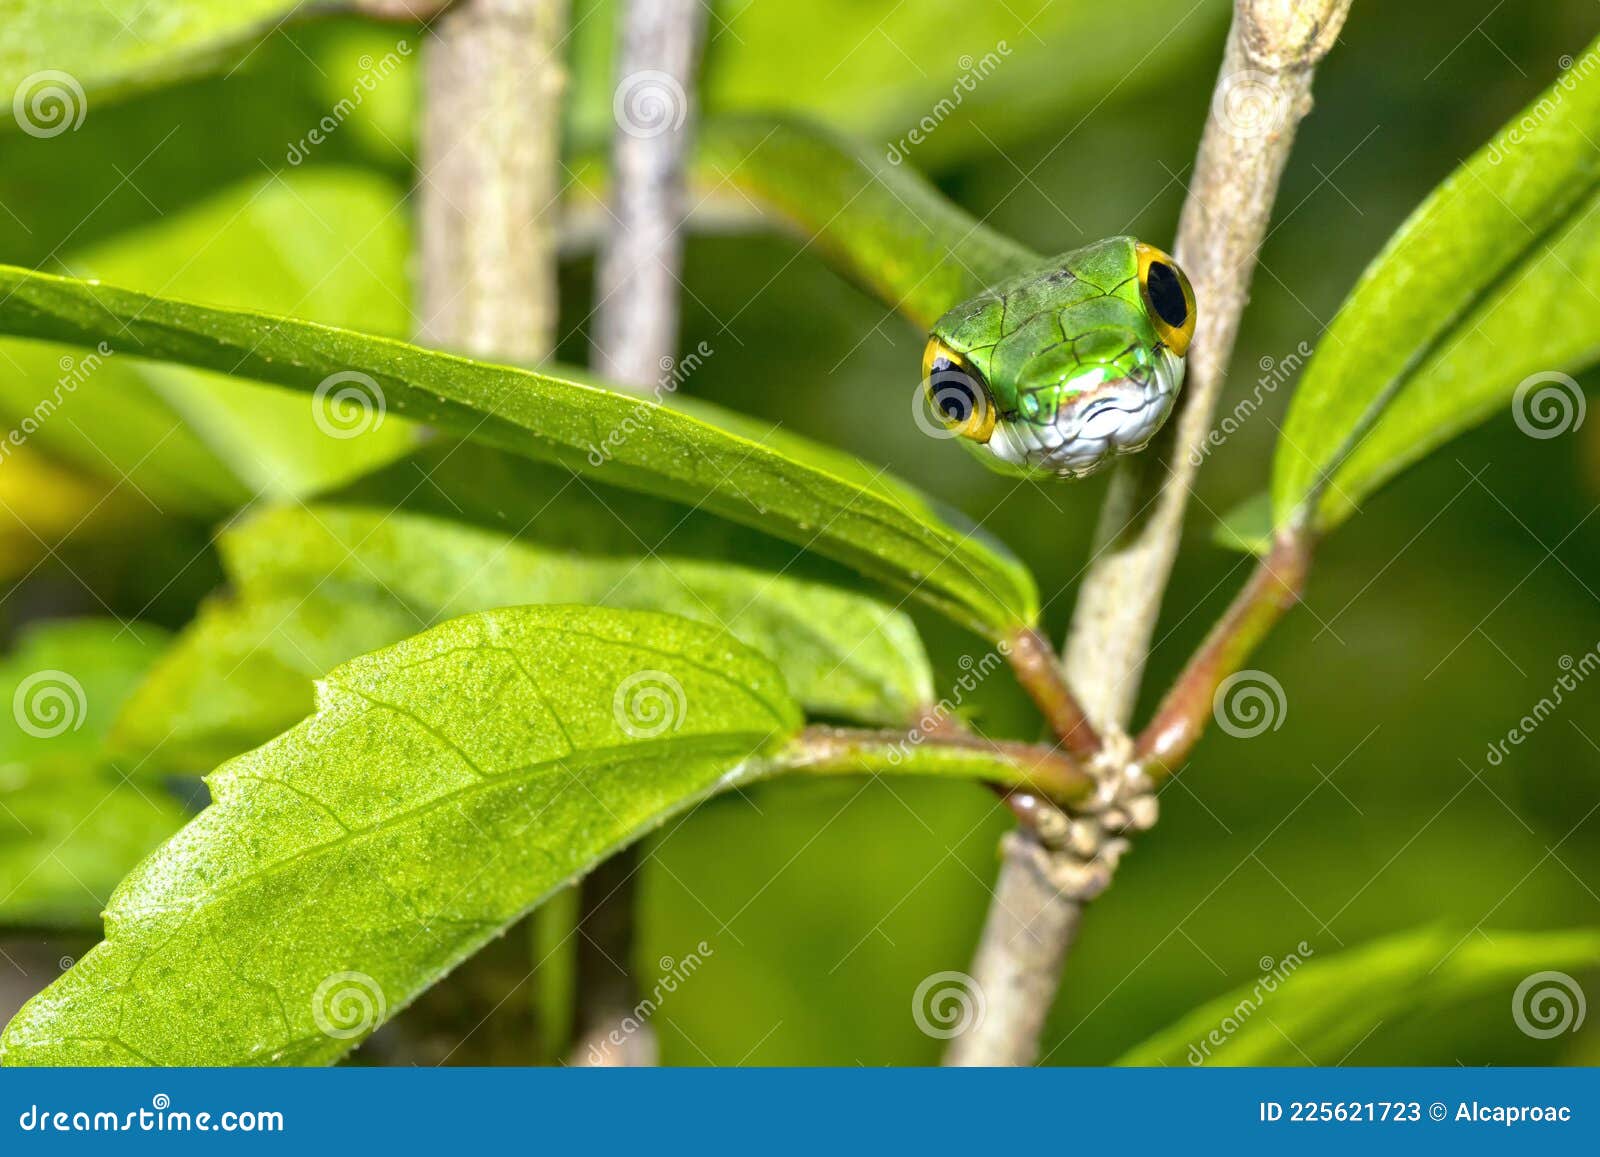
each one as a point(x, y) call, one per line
point(444, 787)
point(71, 826)
point(315, 586)
point(1490, 284)
point(107, 46)
point(1310, 1009)
point(325, 244)
point(820, 498)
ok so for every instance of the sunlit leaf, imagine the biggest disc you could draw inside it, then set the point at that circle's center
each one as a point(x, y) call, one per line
point(443, 788)
point(325, 244)
point(108, 46)
point(71, 825)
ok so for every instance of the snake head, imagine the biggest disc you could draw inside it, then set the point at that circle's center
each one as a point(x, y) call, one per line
point(1058, 371)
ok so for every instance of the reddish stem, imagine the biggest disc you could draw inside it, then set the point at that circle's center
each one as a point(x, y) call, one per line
point(1274, 586)
point(1039, 671)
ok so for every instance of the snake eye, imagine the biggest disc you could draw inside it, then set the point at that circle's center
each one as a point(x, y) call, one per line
point(1168, 297)
point(956, 393)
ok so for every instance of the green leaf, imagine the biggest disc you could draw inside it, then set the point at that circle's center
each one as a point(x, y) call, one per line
point(1491, 282)
point(883, 224)
point(71, 826)
point(324, 243)
point(108, 46)
point(445, 786)
point(1313, 1010)
point(805, 493)
point(69, 835)
point(315, 586)
point(63, 684)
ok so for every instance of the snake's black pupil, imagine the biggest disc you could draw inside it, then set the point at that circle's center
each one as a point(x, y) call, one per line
point(955, 400)
point(1166, 294)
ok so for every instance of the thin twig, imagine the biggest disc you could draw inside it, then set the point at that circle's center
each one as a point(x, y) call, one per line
point(1262, 93)
point(1034, 663)
point(635, 338)
point(490, 164)
point(1038, 768)
point(1273, 588)
point(636, 321)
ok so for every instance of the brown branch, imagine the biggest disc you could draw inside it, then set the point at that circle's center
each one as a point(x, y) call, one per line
point(1263, 91)
point(1034, 663)
point(635, 338)
point(493, 75)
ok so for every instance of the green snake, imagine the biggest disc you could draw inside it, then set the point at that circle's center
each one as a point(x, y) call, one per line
point(1043, 366)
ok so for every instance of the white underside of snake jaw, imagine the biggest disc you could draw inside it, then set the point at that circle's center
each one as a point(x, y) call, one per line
point(1118, 418)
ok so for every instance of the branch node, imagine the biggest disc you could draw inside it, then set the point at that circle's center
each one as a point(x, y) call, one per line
point(1283, 35)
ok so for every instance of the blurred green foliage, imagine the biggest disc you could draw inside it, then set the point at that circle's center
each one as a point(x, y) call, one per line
point(1433, 623)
